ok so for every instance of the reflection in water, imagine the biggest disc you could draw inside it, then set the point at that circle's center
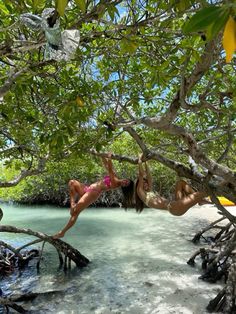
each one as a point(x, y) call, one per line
point(138, 262)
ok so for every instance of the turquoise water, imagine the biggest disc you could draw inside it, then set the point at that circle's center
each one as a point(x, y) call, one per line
point(138, 262)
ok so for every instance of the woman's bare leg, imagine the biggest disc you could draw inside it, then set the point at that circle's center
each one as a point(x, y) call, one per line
point(87, 199)
point(76, 188)
point(181, 206)
point(182, 189)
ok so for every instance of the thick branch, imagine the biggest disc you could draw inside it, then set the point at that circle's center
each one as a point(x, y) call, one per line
point(224, 211)
point(194, 150)
point(25, 173)
point(131, 160)
point(60, 245)
point(208, 57)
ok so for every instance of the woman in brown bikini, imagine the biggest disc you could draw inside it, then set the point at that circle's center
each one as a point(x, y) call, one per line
point(185, 196)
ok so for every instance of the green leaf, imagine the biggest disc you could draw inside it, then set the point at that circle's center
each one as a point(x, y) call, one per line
point(82, 5)
point(60, 6)
point(218, 24)
point(60, 141)
point(202, 19)
point(39, 4)
point(3, 9)
point(42, 139)
point(112, 11)
point(128, 45)
point(183, 5)
point(98, 147)
point(70, 130)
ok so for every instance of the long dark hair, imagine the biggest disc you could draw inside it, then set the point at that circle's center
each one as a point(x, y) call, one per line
point(139, 204)
point(128, 192)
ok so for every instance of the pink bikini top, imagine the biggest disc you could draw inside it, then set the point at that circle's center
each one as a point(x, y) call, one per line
point(107, 181)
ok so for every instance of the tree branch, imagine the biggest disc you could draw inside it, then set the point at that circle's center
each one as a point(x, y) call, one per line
point(60, 245)
point(25, 173)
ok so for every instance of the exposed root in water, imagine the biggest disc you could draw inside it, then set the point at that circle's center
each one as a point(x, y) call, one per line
point(11, 302)
point(63, 248)
point(219, 262)
point(15, 258)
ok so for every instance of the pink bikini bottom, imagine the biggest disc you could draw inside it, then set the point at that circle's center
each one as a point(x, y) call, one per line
point(90, 189)
point(106, 181)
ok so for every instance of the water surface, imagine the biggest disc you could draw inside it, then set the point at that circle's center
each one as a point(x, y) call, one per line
point(138, 262)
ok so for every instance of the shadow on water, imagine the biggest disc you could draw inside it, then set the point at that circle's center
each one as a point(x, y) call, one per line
point(138, 263)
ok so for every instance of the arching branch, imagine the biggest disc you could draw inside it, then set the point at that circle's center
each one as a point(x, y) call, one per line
point(70, 252)
point(25, 173)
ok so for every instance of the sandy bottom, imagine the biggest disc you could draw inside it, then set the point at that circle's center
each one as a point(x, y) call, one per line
point(138, 262)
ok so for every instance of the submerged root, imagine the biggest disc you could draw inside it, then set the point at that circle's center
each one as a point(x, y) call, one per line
point(12, 258)
point(64, 248)
point(11, 302)
point(218, 262)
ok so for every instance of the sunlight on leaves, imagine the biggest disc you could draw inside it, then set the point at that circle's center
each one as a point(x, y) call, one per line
point(129, 46)
point(79, 101)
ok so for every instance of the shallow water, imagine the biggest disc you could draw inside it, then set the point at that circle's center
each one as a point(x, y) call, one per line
point(138, 262)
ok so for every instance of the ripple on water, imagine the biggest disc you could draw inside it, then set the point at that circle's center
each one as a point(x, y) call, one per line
point(138, 262)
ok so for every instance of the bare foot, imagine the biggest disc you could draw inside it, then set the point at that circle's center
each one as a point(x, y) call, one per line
point(204, 202)
point(58, 235)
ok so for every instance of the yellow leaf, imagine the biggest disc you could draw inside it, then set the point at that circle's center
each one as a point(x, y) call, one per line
point(79, 101)
point(61, 5)
point(229, 38)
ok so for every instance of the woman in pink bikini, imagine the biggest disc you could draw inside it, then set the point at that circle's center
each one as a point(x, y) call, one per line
point(89, 194)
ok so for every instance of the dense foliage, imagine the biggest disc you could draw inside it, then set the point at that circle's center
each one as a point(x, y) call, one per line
point(148, 76)
point(51, 187)
point(156, 70)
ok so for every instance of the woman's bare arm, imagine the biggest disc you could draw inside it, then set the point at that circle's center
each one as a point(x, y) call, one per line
point(105, 164)
point(141, 170)
point(149, 176)
point(111, 171)
point(140, 190)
